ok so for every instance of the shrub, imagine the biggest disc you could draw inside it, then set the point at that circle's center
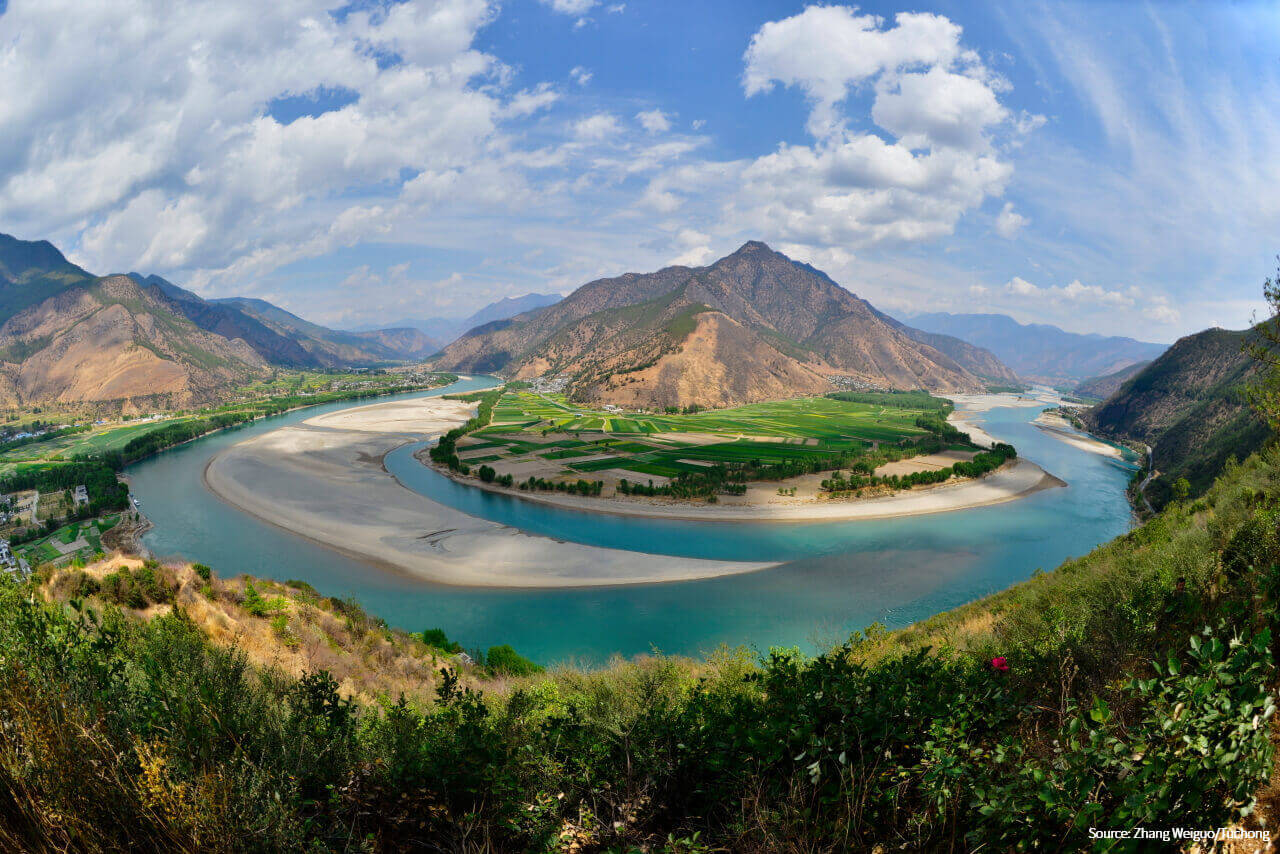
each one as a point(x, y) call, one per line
point(258, 605)
point(505, 661)
point(203, 571)
point(438, 639)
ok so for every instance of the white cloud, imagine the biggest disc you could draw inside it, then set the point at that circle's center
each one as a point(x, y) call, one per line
point(933, 98)
point(597, 127)
point(1009, 222)
point(1158, 308)
point(825, 50)
point(1021, 287)
point(580, 75)
point(695, 249)
point(937, 108)
point(1075, 292)
point(571, 7)
point(529, 101)
point(172, 160)
point(654, 121)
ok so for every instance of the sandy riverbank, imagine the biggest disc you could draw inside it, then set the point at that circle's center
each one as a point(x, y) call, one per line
point(323, 479)
point(1014, 480)
point(1060, 428)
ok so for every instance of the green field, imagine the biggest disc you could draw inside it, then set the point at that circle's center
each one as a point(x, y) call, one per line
point(43, 550)
point(528, 425)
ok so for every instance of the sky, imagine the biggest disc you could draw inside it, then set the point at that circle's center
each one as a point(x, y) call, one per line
point(1105, 167)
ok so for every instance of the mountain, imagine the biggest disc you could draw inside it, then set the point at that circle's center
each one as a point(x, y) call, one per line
point(140, 341)
point(283, 338)
point(1040, 351)
point(1104, 386)
point(448, 329)
point(111, 339)
point(32, 271)
point(978, 361)
point(754, 325)
point(403, 342)
point(332, 348)
point(230, 323)
point(1190, 406)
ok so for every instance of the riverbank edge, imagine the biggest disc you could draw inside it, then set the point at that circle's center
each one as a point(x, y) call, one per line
point(762, 513)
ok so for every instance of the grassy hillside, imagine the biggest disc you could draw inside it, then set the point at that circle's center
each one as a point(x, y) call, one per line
point(1191, 406)
point(1132, 686)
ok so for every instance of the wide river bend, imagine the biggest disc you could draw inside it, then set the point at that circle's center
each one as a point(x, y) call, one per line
point(835, 577)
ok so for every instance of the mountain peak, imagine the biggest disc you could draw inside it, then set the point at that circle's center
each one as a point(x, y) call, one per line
point(754, 246)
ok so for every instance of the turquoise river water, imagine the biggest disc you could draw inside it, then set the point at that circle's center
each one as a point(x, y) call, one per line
point(834, 577)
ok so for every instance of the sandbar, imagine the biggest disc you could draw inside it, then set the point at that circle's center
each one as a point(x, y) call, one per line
point(1011, 481)
point(1062, 430)
point(323, 479)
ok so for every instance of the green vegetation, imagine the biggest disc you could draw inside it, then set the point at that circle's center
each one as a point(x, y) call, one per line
point(900, 399)
point(445, 450)
point(1192, 407)
point(1132, 686)
point(864, 476)
point(725, 449)
point(502, 660)
point(439, 640)
point(43, 549)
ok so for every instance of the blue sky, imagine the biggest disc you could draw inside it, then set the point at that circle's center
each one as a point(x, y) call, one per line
point(1102, 166)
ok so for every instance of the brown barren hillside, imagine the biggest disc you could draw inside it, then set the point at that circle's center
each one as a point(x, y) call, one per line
point(112, 340)
point(753, 326)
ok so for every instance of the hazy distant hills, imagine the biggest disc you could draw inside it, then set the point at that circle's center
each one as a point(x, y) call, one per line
point(978, 361)
point(1104, 386)
point(447, 329)
point(1040, 351)
point(69, 336)
point(1190, 405)
point(754, 325)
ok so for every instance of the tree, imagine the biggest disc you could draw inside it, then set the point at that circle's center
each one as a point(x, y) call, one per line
point(1181, 489)
point(1264, 347)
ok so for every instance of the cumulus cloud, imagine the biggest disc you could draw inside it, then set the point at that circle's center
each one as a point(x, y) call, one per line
point(695, 249)
point(580, 75)
point(597, 127)
point(938, 109)
point(654, 121)
point(571, 7)
point(174, 159)
point(1009, 222)
point(825, 50)
point(1075, 292)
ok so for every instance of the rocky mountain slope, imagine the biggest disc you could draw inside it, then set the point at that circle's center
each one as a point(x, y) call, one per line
point(752, 326)
point(135, 341)
point(1190, 406)
point(111, 339)
point(331, 347)
point(1104, 386)
point(1040, 351)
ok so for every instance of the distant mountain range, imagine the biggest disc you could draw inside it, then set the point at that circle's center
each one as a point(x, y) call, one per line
point(1190, 405)
point(448, 329)
point(1100, 388)
point(1039, 351)
point(69, 336)
point(754, 325)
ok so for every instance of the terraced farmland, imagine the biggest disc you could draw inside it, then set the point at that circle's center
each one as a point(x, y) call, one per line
point(547, 436)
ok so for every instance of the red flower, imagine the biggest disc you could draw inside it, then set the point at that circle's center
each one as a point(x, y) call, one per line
point(1000, 664)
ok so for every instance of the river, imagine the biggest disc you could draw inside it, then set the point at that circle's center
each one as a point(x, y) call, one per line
point(835, 577)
